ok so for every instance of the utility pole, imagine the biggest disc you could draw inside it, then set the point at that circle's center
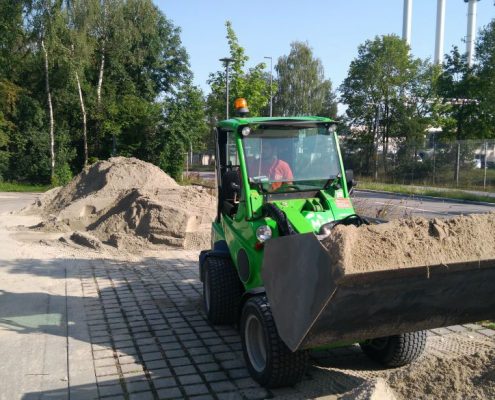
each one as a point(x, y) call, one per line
point(271, 86)
point(227, 61)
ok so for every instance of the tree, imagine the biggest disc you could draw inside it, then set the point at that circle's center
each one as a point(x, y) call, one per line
point(250, 84)
point(185, 126)
point(485, 71)
point(387, 94)
point(302, 87)
point(76, 74)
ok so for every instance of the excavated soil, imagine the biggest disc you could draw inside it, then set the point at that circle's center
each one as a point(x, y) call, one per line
point(128, 204)
point(466, 377)
point(408, 243)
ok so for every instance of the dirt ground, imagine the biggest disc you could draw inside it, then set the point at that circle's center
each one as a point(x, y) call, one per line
point(65, 329)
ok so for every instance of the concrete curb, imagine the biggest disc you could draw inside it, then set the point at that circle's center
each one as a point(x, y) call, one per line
point(444, 199)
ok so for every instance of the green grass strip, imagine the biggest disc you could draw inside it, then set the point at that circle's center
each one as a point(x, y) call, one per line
point(22, 187)
point(424, 191)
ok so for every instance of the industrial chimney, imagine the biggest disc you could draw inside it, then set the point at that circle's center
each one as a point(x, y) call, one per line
point(471, 30)
point(440, 31)
point(406, 26)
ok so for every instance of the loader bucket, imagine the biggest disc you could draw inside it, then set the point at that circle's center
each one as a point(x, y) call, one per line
point(314, 303)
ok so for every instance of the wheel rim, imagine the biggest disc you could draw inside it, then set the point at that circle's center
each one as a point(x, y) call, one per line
point(206, 290)
point(255, 343)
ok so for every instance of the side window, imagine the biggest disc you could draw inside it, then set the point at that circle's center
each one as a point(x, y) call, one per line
point(232, 156)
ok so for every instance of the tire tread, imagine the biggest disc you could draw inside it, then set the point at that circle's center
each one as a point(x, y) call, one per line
point(225, 291)
point(285, 368)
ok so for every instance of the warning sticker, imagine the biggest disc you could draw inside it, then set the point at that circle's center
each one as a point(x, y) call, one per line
point(343, 203)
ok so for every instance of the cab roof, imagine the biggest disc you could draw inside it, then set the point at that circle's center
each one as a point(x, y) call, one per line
point(234, 123)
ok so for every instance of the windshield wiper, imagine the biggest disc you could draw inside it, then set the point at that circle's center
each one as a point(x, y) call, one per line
point(334, 181)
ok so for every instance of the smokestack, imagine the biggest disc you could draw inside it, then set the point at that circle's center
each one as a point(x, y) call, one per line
point(440, 32)
point(406, 27)
point(471, 30)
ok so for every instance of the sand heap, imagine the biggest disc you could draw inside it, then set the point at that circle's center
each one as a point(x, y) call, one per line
point(406, 243)
point(373, 389)
point(466, 377)
point(129, 204)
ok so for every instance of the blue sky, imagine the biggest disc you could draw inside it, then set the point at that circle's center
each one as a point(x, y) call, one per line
point(334, 29)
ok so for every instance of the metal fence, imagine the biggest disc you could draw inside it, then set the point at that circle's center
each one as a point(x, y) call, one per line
point(458, 164)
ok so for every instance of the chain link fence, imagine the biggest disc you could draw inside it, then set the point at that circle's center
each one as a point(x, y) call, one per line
point(468, 164)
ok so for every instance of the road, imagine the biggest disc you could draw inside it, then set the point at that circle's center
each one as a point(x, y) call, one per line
point(379, 204)
point(15, 201)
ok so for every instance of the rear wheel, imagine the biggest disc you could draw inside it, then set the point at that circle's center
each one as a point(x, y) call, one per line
point(221, 291)
point(397, 350)
point(270, 362)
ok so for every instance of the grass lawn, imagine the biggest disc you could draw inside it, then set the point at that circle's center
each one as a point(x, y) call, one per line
point(488, 324)
point(424, 191)
point(22, 187)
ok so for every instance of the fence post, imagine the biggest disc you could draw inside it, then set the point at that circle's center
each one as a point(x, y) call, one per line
point(434, 158)
point(484, 166)
point(458, 163)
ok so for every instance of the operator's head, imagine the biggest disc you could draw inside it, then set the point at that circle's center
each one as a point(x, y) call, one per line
point(269, 150)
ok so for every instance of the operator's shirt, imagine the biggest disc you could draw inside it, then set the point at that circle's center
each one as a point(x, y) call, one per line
point(276, 170)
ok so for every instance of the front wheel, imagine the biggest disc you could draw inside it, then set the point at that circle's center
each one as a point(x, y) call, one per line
point(396, 350)
point(222, 291)
point(269, 360)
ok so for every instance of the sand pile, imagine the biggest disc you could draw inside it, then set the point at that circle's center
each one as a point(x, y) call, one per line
point(406, 243)
point(467, 377)
point(128, 204)
point(374, 389)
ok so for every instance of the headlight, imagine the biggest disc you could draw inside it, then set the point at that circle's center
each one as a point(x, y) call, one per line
point(263, 233)
point(332, 128)
point(246, 131)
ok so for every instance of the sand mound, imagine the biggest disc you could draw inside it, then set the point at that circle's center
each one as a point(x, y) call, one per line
point(374, 389)
point(129, 204)
point(103, 182)
point(406, 243)
point(467, 377)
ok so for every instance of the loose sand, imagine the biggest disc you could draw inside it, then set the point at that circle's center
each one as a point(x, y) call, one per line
point(407, 243)
point(128, 204)
point(465, 377)
point(432, 378)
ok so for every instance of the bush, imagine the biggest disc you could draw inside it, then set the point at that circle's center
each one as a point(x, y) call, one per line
point(63, 175)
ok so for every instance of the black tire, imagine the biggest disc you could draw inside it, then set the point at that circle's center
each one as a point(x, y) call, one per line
point(397, 350)
point(275, 365)
point(222, 291)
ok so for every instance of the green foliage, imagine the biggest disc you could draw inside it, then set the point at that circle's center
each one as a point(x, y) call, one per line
point(388, 94)
point(134, 78)
point(252, 83)
point(302, 87)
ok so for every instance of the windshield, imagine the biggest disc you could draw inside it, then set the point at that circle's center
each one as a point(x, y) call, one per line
point(281, 158)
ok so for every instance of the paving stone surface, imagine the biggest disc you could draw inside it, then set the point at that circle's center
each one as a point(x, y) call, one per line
point(151, 339)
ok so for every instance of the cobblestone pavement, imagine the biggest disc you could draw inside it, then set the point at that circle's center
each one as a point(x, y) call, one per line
point(150, 339)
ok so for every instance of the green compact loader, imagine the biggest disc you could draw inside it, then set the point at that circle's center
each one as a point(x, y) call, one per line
point(282, 187)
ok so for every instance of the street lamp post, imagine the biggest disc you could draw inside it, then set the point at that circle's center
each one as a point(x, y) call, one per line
point(227, 61)
point(271, 86)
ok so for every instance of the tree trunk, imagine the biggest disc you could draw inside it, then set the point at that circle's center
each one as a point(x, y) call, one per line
point(100, 75)
point(50, 111)
point(83, 110)
point(102, 61)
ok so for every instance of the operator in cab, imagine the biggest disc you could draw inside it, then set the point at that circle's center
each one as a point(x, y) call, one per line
point(271, 166)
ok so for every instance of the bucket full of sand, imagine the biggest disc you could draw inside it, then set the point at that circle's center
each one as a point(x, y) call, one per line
point(129, 204)
point(380, 280)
